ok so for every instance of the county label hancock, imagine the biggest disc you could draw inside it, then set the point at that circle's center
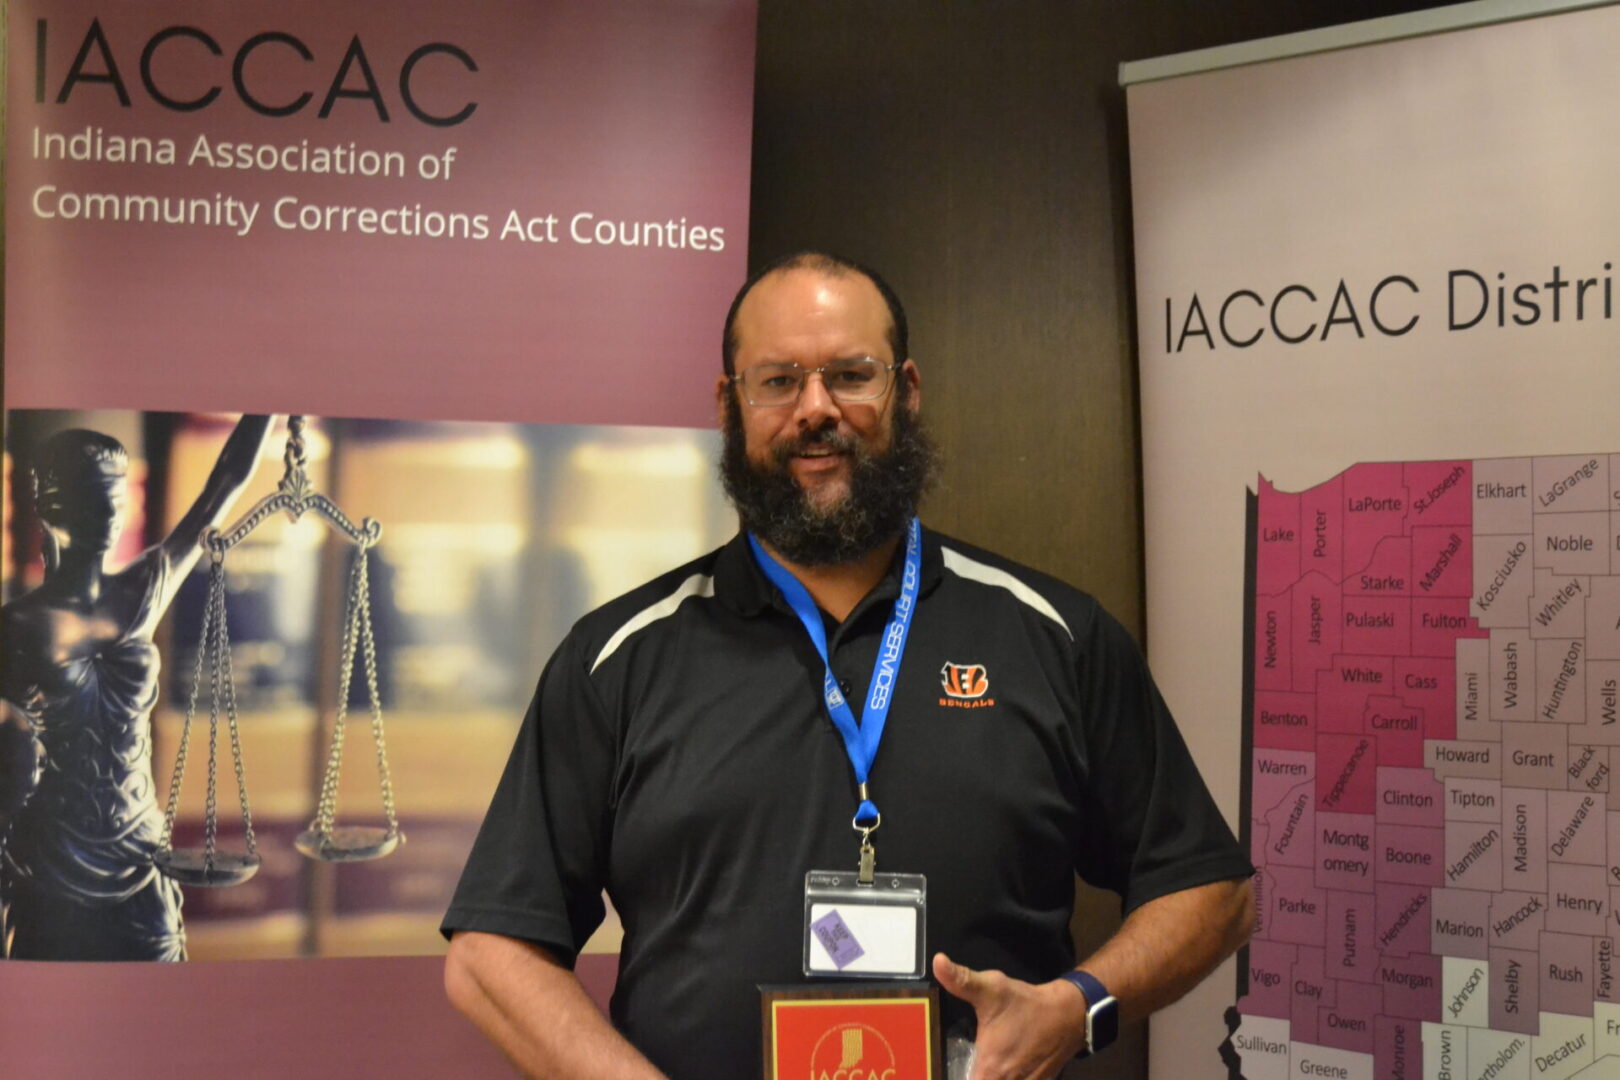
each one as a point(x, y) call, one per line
point(1436, 667)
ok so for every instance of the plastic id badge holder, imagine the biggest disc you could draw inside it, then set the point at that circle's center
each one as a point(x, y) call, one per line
point(860, 931)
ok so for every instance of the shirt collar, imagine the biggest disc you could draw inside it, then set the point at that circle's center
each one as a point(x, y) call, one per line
point(741, 585)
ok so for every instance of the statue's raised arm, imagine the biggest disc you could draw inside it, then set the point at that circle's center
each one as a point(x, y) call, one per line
point(232, 471)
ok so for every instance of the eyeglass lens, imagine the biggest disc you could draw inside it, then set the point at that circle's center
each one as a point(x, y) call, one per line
point(856, 379)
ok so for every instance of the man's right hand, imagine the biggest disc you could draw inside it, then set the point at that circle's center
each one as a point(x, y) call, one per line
point(536, 1011)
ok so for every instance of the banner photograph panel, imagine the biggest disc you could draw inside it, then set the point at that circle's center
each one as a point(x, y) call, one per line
point(490, 539)
point(480, 250)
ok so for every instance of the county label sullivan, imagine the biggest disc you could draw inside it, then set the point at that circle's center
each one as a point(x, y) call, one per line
point(1432, 706)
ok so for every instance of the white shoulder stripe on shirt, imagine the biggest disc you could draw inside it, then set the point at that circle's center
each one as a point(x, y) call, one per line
point(696, 585)
point(974, 570)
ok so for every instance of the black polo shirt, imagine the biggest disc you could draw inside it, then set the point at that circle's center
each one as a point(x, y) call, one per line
point(679, 756)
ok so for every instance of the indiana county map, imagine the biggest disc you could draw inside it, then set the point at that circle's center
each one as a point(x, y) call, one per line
point(1430, 740)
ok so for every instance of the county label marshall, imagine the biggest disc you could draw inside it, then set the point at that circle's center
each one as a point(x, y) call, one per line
point(1435, 687)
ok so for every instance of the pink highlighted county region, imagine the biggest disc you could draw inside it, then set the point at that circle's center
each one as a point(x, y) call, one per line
point(1474, 856)
point(1375, 507)
point(1351, 953)
point(1409, 797)
point(1410, 855)
point(1347, 1023)
point(1278, 543)
point(1271, 970)
point(1411, 986)
point(1438, 624)
point(1397, 1047)
point(1517, 920)
point(1321, 521)
point(1313, 989)
point(1316, 604)
point(1515, 991)
point(1378, 625)
point(1277, 773)
point(1342, 691)
point(1429, 684)
point(1566, 975)
point(1401, 924)
point(1399, 729)
point(1285, 721)
point(1274, 642)
point(1443, 561)
point(1346, 773)
point(1388, 574)
point(1442, 492)
point(1297, 907)
point(1462, 919)
point(1344, 844)
point(1290, 831)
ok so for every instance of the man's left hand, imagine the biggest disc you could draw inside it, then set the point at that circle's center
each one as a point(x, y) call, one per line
point(1026, 1031)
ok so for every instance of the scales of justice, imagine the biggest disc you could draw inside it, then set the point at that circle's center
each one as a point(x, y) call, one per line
point(324, 840)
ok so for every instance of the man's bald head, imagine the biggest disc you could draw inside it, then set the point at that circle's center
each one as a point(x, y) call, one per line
point(832, 266)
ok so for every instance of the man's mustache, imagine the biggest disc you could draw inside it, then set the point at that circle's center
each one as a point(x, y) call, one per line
point(822, 439)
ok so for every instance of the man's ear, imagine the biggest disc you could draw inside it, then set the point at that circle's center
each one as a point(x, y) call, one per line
point(722, 387)
point(910, 377)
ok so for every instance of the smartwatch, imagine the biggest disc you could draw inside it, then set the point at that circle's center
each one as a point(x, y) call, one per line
point(1102, 1012)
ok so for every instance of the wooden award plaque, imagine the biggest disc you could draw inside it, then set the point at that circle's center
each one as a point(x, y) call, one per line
point(851, 1031)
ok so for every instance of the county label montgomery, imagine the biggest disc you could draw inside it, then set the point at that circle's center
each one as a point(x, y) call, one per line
point(1432, 710)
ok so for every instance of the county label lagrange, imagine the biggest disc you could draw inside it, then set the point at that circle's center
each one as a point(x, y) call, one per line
point(1431, 707)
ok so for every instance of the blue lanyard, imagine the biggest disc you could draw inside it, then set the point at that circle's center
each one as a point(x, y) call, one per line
point(860, 738)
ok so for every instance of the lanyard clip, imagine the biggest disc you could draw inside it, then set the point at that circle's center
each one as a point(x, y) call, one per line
point(868, 864)
point(867, 816)
point(867, 819)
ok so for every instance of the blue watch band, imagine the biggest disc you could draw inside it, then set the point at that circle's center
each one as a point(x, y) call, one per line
point(1089, 985)
point(1102, 1011)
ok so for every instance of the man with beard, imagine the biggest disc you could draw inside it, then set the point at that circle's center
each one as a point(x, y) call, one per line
point(694, 750)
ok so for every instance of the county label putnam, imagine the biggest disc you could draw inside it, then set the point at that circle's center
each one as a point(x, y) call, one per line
point(1433, 702)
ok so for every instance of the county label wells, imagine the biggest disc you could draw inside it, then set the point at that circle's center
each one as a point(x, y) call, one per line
point(1432, 709)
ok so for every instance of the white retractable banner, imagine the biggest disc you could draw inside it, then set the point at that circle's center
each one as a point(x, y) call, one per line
point(1380, 390)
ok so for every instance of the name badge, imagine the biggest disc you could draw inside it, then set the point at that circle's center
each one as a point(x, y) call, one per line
point(863, 931)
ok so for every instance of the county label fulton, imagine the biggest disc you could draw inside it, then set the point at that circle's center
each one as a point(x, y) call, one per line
point(1436, 668)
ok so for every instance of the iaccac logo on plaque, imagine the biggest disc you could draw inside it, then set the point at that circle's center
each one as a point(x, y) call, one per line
point(852, 1051)
point(872, 1031)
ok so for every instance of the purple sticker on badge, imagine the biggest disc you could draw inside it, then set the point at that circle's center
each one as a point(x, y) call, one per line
point(836, 938)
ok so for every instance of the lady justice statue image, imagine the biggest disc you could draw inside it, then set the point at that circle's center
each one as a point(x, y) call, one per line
point(79, 816)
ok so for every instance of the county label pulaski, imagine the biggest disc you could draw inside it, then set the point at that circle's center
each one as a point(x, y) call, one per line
point(1436, 667)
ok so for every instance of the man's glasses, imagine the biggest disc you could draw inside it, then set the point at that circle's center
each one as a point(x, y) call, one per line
point(859, 378)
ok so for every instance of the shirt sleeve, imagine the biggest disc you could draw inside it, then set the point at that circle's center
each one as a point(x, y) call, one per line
point(537, 868)
point(1157, 829)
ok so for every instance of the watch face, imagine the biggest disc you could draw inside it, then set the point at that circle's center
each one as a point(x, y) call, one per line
point(1103, 1028)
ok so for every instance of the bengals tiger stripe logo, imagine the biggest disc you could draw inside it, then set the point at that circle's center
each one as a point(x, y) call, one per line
point(964, 681)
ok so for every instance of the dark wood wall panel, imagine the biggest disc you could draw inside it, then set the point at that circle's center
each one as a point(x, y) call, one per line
point(974, 152)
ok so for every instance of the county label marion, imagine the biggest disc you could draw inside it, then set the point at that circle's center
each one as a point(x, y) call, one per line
point(1432, 712)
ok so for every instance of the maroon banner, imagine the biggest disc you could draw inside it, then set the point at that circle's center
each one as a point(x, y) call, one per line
point(497, 210)
point(356, 1019)
point(388, 220)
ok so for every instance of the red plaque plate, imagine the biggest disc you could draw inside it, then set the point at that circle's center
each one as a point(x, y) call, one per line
point(852, 1031)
